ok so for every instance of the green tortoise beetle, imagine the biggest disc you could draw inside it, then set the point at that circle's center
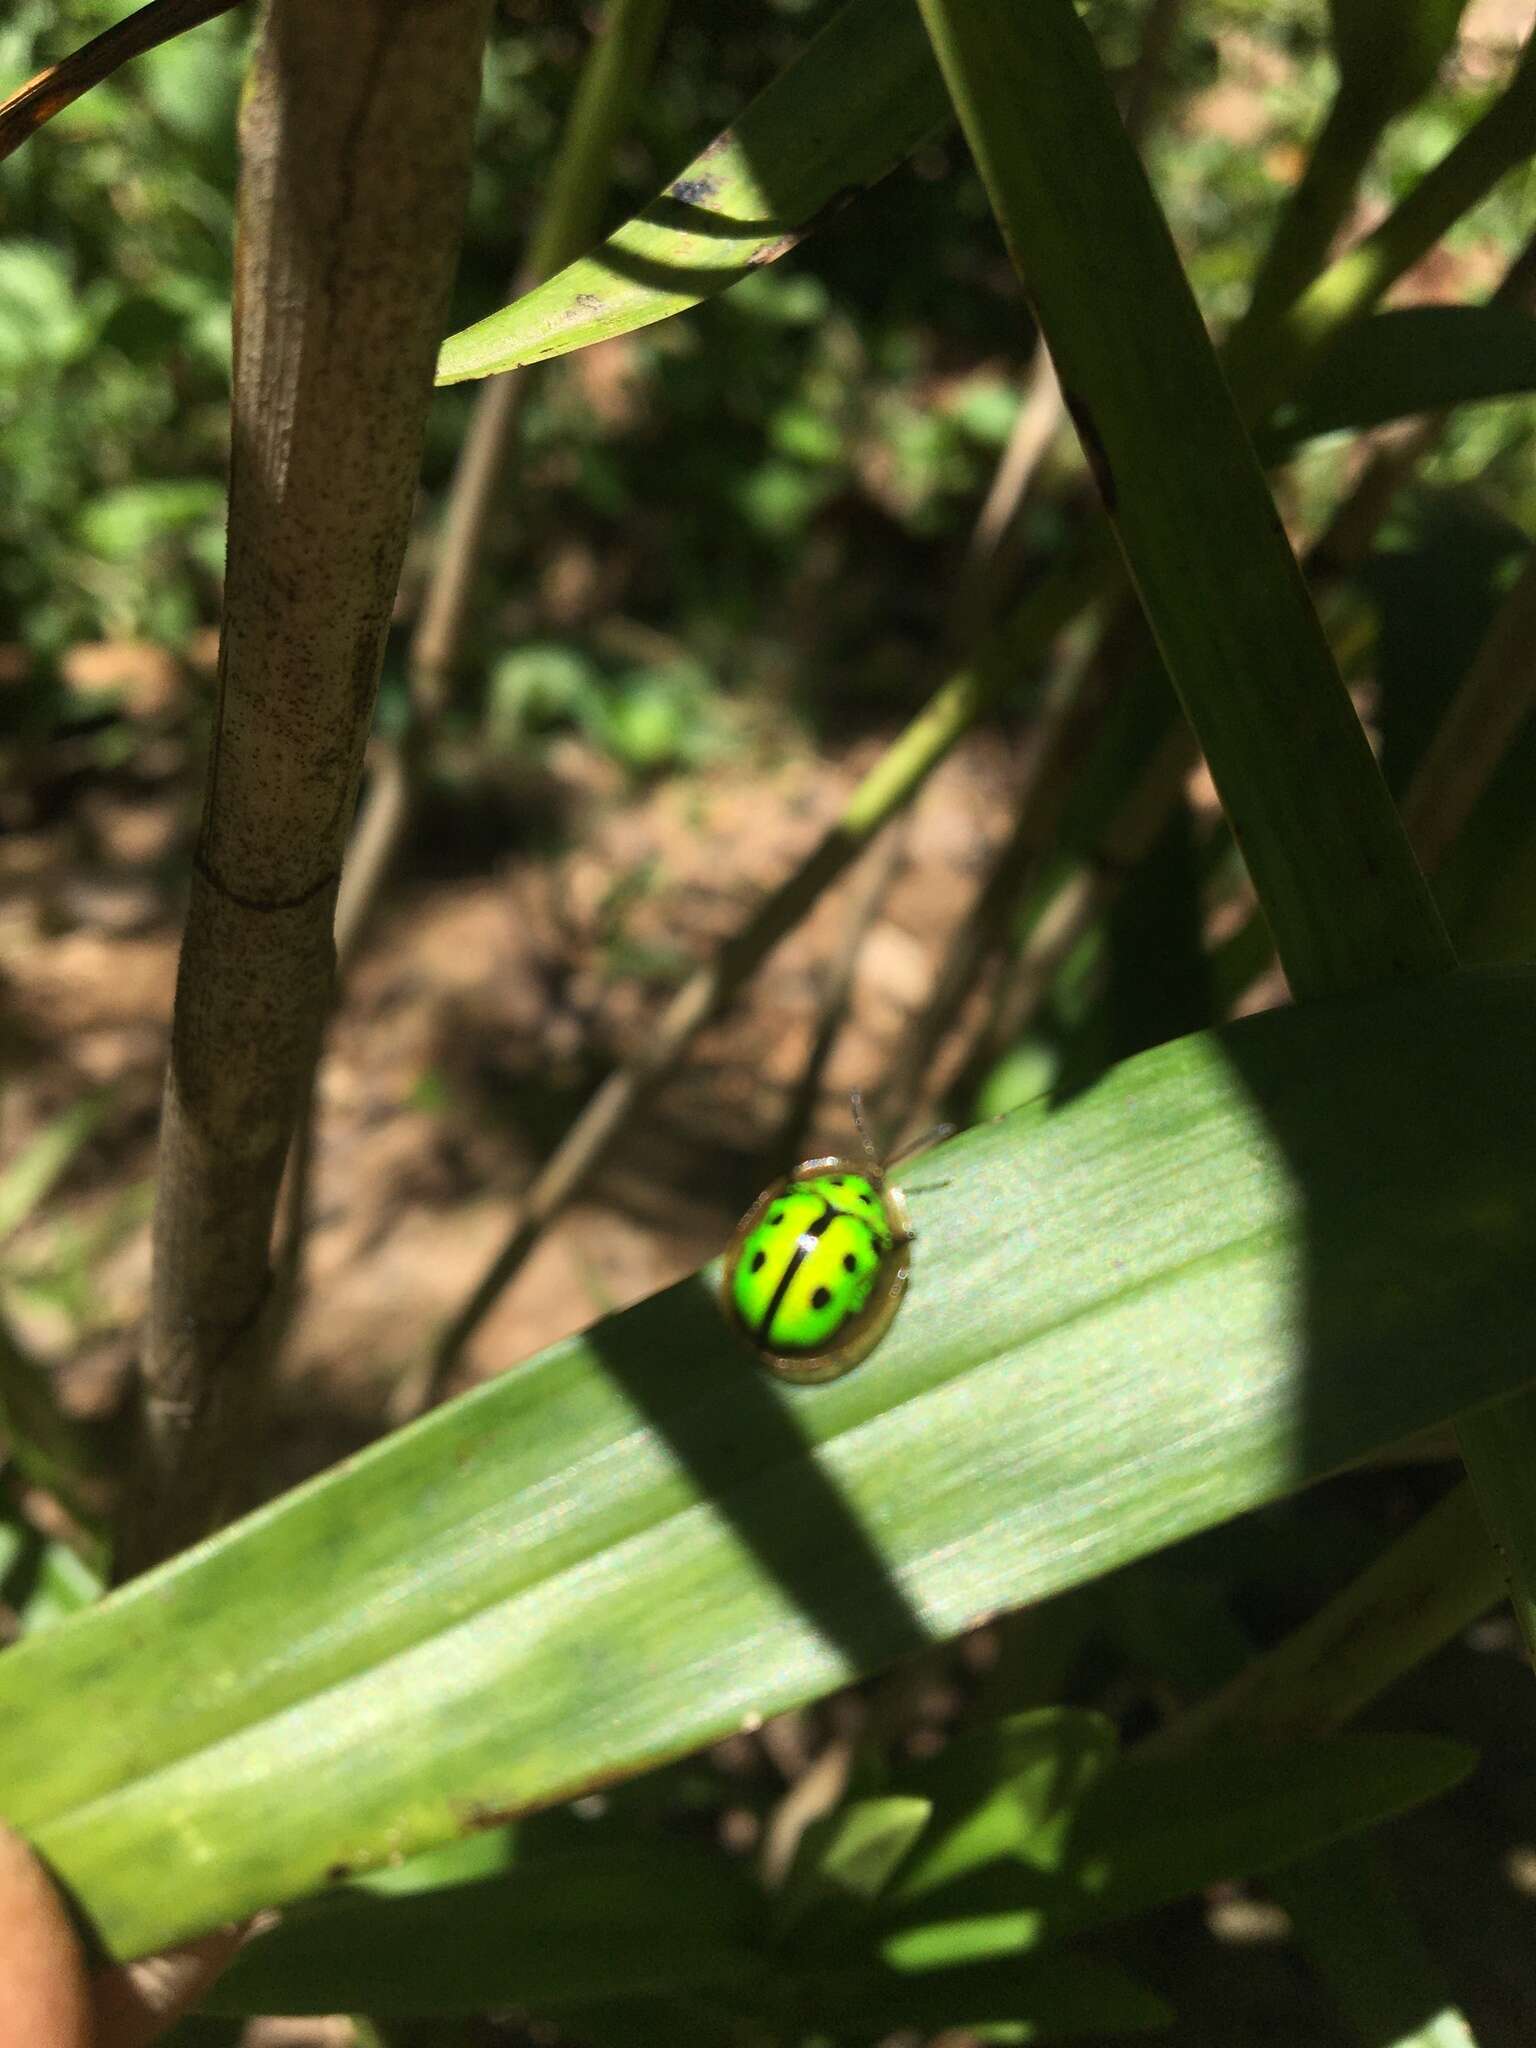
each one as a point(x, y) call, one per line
point(816, 1269)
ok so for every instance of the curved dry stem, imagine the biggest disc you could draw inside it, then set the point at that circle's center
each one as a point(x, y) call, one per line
point(35, 103)
point(1497, 695)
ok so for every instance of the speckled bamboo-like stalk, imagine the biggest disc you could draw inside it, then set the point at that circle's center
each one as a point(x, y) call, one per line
point(355, 141)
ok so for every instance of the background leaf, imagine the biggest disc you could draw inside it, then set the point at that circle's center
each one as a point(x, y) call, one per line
point(1409, 360)
point(568, 1926)
point(862, 96)
point(1152, 1830)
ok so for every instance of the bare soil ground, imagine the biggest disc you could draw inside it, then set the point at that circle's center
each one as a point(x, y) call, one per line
point(483, 1009)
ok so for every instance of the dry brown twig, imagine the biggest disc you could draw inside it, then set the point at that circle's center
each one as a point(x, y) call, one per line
point(35, 103)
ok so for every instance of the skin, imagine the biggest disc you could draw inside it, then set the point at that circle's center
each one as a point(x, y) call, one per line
point(48, 1996)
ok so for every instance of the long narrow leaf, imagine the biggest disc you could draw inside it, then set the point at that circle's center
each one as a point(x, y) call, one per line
point(1413, 359)
point(1239, 1262)
point(1152, 1830)
point(1180, 481)
point(859, 100)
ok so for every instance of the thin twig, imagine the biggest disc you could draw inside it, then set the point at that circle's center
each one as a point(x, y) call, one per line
point(987, 556)
point(36, 102)
point(1079, 901)
point(983, 931)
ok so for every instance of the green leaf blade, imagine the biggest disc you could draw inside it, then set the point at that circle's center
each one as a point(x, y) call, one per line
point(1180, 481)
point(860, 99)
point(1413, 359)
point(1239, 1262)
point(1152, 1830)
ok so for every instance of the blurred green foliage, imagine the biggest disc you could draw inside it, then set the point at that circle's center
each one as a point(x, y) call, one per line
point(114, 338)
point(782, 484)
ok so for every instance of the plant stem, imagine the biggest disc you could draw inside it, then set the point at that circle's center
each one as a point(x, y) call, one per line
point(1495, 698)
point(356, 136)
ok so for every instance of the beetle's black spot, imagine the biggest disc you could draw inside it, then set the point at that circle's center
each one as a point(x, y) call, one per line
point(834, 1180)
point(757, 1263)
point(820, 1298)
point(850, 1263)
point(775, 1215)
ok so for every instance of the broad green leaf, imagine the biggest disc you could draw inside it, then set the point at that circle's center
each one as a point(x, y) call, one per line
point(206, 2030)
point(846, 1859)
point(859, 99)
point(464, 1862)
point(688, 2020)
point(1151, 1830)
point(1009, 1790)
point(1410, 360)
point(1156, 1828)
point(1236, 1264)
point(551, 1932)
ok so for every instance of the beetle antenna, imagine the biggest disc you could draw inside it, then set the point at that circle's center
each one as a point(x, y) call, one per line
point(856, 1099)
point(936, 1136)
